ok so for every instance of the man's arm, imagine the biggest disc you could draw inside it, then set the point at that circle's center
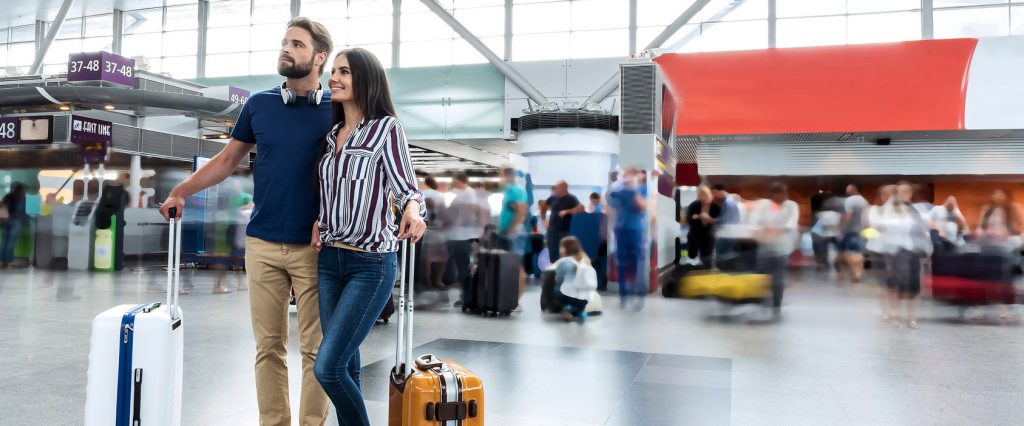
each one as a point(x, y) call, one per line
point(520, 217)
point(219, 168)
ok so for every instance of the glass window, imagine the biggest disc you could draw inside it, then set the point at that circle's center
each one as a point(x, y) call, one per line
point(72, 28)
point(102, 25)
point(381, 51)
point(22, 54)
point(540, 47)
point(796, 32)
point(883, 27)
point(4, 32)
point(868, 6)
point(369, 30)
point(263, 63)
point(180, 43)
point(26, 33)
point(599, 44)
point(179, 67)
point(227, 65)
point(540, 18)
point(337, 28)
point(3, 56)
point(659, 12)
point(61, 49)
point(791, 8)
point(481, 21)
point(327, 9)
point(463, 53)
point(226, 40)
point(743, 35)
point(730, 10)
point(979, 22)
point(148, 64)
point(147, 45)
point(51, 69)
point(266, 37)
point(599, 14)
point(96, 44)
point(423, 27)
point(271, 11)
point(1017, 20)
point(143, 21)
point(684, 41)
point(955, 3)
point(369, 7)
point(228, 13)
point(182, 18)
point(426, 53)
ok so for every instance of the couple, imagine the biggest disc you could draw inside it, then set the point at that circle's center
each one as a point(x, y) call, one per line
point(332, 172)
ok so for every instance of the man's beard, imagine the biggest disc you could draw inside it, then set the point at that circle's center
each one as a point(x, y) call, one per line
point(295, 69)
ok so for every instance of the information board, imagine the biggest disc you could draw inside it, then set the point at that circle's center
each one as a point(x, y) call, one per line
point(9, 130)
point(92, 136)
point(101, 66)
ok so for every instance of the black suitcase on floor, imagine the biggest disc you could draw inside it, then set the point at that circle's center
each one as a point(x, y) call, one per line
point(494, 288)
point(548, 295)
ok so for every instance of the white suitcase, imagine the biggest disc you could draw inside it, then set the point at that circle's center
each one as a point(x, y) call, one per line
point(135, 358)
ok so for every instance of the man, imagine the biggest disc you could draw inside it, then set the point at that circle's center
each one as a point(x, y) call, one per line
point(628, 204)
point(851, 245)
point(594, 206)
point(435, 252)
point(947, 225)
point(463, 215)
point(278, 254)
point(730, 210)
point(512, 220)
point(776, 218)
point(562, 205)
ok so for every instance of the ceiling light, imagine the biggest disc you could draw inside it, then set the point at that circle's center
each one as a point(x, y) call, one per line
point(223, 136)
point(65, 108)
point(108, 107)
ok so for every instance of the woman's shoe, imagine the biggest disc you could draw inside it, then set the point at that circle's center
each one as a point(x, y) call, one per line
point(582, 318)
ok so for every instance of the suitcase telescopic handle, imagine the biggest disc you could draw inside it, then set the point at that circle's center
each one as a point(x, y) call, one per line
point(403, 347)
point(173, 262)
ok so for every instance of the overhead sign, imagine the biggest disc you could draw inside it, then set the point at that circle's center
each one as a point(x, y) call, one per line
point(101, 66)
point(228, 93)
point(92, 136)
point(238, 96)
point(9, 130)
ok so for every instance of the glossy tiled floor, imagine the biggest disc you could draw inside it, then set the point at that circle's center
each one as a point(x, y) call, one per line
point(830, 361)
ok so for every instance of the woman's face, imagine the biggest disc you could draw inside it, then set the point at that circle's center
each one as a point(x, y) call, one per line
point(562, 252)
point(999, 197)
point(340, 82)
point(704, 197)
point(905, 193)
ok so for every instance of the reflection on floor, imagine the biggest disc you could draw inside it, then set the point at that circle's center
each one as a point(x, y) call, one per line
point(831, 360)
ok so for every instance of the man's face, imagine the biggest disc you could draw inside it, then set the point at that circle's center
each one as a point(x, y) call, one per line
point(298, 58)
point(719, 194)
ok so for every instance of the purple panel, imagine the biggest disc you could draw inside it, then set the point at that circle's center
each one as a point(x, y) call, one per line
point(101, 66)
point(237, 95)
point(9, 130)
point(87, 130)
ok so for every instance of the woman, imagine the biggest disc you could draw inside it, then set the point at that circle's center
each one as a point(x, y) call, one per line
point(701, 215)
point(905, 241)
point(14, 204)
point(1000, 218)
point(366, 176)
point(575, 279)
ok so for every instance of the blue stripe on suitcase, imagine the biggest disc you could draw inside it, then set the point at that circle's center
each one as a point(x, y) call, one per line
point(124, 366)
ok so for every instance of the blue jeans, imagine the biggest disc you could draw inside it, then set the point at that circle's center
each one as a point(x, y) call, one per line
point(629, 254)
point(353, 289)
point(11, 232)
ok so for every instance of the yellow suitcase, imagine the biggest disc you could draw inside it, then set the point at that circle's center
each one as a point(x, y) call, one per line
point(730, 287)
point(428, 391)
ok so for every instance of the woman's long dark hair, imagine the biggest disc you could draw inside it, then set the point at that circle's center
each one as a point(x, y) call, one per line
point(369, 86)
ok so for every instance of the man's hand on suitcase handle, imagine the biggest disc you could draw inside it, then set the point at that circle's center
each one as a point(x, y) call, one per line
point(173, 202)
point(412, 225)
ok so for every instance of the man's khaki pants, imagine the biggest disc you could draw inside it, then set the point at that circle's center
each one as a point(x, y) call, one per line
point(273, 270)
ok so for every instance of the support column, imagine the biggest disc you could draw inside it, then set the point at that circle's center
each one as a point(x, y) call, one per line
point(632, 28)
point(118, 42)
point(772, 22)
point(204, 20)
point(135, 181)
point(508, 30)
point(927, 20)
point(51, 34)
point(396, 33)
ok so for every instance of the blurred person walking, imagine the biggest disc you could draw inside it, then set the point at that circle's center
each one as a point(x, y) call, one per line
point(776, 218)
point(727, 204)
point(906, 241)
point(629, 208)
point(562, 204)
point(286, 124)
point(435, 248)
point(369, 201)
point(12, 219)
point(851, 245)
point(700, 239)
point(594, 203)
point(575, 279)
point(826, 231)
point(1000, 218)
point(947, 226)
point(463, 218)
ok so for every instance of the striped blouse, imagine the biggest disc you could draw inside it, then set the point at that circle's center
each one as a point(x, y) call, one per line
point(366, 185)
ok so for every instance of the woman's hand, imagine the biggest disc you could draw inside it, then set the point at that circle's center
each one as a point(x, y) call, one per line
point(314, 241)
point(412, 225)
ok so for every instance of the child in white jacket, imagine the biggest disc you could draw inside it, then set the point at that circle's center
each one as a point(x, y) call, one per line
point(575, 279)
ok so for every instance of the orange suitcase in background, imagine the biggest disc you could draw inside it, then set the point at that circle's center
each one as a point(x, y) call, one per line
point(428, 391)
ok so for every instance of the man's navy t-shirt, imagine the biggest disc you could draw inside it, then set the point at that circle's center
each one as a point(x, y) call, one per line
point(288, 140)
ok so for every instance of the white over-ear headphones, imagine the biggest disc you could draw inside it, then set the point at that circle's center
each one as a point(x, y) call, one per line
point(288, 95)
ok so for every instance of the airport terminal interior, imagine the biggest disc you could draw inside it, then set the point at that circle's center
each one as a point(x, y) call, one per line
point(626, 212)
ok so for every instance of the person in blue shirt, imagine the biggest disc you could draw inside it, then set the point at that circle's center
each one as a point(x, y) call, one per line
point(286, 125)
point(730, 210)
point(629, 204)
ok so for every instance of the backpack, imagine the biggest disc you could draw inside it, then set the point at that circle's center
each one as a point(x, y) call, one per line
point(584, 282)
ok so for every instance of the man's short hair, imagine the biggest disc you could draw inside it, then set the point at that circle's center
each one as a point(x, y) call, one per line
point(431, 182)
point(322, 42)
point(462, 177)
point(595, 196)
point(719, 187)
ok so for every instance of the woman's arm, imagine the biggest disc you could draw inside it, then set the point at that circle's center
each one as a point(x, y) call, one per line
point(402, 182)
